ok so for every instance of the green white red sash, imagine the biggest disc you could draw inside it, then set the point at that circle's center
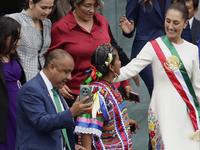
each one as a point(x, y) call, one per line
point(177, 73)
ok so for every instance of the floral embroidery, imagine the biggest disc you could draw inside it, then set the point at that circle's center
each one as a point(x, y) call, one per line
point(154, 129)
point(153, 142)
point(152, 134)
point(151, 126)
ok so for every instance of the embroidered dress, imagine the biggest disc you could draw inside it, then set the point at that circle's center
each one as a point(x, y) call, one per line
point(110, 128)
point(170, 125)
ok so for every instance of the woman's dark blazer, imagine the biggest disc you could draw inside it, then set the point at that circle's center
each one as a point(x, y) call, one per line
point(4, 101)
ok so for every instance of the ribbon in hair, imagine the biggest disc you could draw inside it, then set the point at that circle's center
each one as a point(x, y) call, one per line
point(92, 73)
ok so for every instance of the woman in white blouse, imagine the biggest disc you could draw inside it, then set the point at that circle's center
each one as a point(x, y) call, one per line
point(174, 110)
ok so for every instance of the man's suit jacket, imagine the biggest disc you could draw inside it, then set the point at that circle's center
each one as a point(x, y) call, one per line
point(38, 124)
point(195, 31)
point(4, 102)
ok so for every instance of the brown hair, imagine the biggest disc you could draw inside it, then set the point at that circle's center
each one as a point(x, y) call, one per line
point(72, 2)
point(151, 3)
point(181, 8)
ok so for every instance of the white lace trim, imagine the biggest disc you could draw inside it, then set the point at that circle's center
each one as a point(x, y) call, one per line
point(78, 130)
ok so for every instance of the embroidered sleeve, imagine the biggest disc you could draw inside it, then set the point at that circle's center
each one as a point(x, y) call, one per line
point(92, 122)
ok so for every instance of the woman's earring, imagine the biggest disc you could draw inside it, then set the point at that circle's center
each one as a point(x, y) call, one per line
point(116, 77)
point(31, 8)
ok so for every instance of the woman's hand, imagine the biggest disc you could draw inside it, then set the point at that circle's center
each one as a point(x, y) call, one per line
point(133, 123)
point(126, 26)
point(65, 92)
point(136, 80)
point(128, 89)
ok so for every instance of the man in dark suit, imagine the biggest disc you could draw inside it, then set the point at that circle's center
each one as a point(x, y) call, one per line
point(41, 123)
point(192, 6)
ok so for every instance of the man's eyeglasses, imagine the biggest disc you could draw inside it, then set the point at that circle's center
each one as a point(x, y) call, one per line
point(89, 7)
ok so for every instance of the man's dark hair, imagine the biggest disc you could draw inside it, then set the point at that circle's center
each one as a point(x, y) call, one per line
point(195, 3)
point(56, 54)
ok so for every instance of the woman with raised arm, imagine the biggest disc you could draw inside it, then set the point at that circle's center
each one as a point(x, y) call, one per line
point(147, 18)
point(174, 108)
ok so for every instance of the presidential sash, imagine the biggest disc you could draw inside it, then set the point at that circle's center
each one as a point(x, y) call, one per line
point(177, 73)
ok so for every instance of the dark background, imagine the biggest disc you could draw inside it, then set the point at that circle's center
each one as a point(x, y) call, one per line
point(10, 6)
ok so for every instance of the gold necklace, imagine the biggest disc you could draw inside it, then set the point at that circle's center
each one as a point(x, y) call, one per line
point(90, 26)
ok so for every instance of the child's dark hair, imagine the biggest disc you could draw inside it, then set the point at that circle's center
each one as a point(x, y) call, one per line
point(9, 27)
point(100, 58)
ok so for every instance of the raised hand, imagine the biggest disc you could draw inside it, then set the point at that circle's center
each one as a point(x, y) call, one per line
point(125, 25)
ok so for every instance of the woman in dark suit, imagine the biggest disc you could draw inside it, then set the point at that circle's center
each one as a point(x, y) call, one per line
point(148, 16)
point(11, 78)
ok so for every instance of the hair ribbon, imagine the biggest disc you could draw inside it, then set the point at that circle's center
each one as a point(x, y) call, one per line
point(93, 73)
point(110, 58)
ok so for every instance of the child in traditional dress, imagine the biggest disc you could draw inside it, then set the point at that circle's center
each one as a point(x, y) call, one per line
point(107, 125)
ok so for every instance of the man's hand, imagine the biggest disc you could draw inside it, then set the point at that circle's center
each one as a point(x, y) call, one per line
point(133, 123)
point(65, 92)
point(125, 25)
point(78, 147)
point(79, 108)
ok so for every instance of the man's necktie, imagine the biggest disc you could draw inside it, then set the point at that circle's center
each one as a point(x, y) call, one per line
point(56, 100)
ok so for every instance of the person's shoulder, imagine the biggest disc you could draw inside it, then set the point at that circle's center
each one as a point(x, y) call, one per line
point(64, 20)
point(16, 16)
point(99, 86)
point(196, 20)
point(31, 88)
point(32, 83)
point(101, 18)
point(47, 22)
point(190, 46)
